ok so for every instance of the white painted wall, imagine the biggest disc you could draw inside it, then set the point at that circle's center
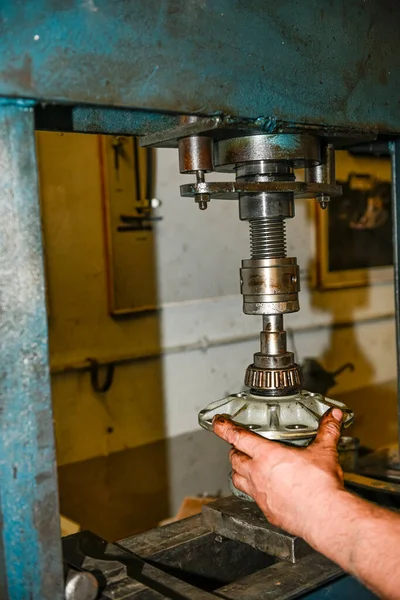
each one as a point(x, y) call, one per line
point(199, 252)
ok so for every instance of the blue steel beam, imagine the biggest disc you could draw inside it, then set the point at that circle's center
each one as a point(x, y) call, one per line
point(126, 121)
point(315, 61)
point(30, 546)
point(90, 119)
point(119, 121)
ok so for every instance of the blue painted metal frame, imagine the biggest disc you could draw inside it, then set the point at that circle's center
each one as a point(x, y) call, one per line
point(344, 587)
point(316, 62)
point(30, 546)
point(114, 121)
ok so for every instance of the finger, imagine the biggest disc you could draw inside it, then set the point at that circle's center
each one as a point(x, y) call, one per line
point(241, 483)
point(241, 438)
point(329, 429)
point(240, 462)
point(232, 451)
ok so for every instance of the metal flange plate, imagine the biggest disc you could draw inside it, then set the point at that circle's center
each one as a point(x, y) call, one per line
point(291, 419)
point(229, 190)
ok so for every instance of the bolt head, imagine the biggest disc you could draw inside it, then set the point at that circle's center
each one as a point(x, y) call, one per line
point(323, 201)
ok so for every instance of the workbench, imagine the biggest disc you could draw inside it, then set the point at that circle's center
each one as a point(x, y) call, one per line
point(201, 557)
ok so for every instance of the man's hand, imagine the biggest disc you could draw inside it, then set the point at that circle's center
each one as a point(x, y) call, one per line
point(301, 490)
point(285, 481)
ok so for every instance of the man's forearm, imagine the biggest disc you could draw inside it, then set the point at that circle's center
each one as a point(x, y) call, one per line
point(301, 490)
point(362, 538)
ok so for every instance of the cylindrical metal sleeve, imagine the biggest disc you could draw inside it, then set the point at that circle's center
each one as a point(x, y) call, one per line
point(270, 280)
point(326, 171)
point(297, 150)
point(271, 205)
point(273, 323)
point(273, 342)
point(195, 154)
point(273, 361)
point(270, 286)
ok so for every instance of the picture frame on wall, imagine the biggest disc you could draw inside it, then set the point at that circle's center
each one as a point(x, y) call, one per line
point(354, 233)
point(127, 175)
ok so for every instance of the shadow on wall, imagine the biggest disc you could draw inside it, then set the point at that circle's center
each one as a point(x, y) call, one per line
point(119, 494)
point(343, 335)
point(374, 404)
point(111, 453)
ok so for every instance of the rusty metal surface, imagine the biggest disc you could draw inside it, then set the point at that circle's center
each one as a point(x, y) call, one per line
point(229, 190)
point(224, 126)
point(164, 538)
point(300, 150)
point(283, 582)
point(195, 154)
point(124, 574)
point(243, 521)
point(319, 62)
point(92, 119)
point(212, 126)
point(313, 576)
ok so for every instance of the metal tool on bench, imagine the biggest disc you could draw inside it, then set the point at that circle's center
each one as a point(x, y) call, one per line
point(80, 585)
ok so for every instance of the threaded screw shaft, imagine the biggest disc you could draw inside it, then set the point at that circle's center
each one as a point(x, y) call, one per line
point(267, 238)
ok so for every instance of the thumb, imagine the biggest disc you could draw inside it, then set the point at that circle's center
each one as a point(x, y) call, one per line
point(329, 429)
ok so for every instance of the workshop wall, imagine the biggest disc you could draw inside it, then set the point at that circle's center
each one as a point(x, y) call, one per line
point(128, 456)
